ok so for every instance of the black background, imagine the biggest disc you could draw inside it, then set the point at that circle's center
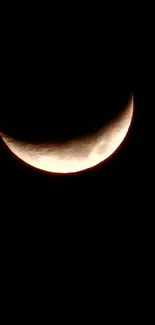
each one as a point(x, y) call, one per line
point(71, 243)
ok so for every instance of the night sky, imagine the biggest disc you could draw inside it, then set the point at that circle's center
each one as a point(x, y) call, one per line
point(70, 235)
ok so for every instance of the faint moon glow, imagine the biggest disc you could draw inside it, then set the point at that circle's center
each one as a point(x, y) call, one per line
point(78, 154)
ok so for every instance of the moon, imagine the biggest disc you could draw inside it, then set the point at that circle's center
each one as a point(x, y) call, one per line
point(77, 154)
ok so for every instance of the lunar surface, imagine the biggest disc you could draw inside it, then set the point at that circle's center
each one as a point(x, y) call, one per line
point(77, 154)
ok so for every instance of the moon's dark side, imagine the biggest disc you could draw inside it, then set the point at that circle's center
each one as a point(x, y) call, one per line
point(68, 106)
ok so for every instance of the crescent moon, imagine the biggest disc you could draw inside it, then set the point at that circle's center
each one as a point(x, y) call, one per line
point(78, 154)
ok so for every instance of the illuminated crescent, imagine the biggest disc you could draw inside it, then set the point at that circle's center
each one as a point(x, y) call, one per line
point(78, 154)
